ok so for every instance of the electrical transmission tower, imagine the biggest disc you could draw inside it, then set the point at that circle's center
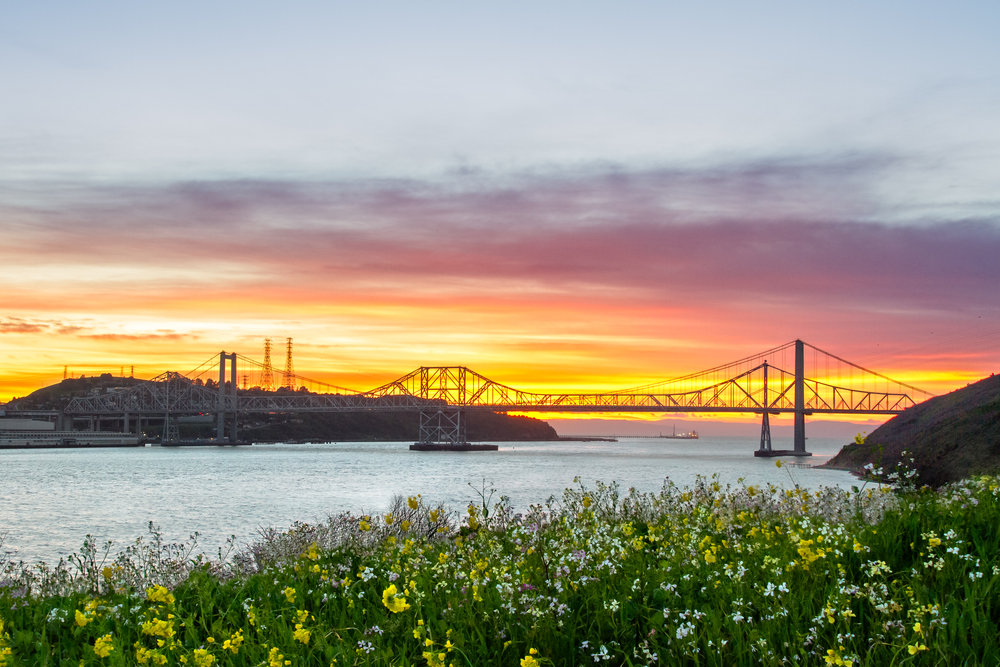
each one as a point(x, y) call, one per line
point(266, 376)
point(289, 380)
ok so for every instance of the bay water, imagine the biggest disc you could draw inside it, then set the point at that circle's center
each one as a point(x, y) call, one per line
point(51, 499)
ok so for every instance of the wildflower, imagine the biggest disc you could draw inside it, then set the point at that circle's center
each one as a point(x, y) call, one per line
point(394, 601)
point(103, 646)
point(918, 628)
point(82, 619)
point(914, 648)
point(587, 502)
point(301, 634)
point(777, 464)
point(529, 661)
point(934, 542)
point(412, 502)
point(158, 628)
point(159, 594)
point(388, 519)
point(275, 659)
point(289, 594)
point(202, 658)
point(434, 660)
point(364, 526)
point(234, 642)
point(405, 525)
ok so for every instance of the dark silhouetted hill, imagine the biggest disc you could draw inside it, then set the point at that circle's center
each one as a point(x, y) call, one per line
point(389, 426)
point(950, 437)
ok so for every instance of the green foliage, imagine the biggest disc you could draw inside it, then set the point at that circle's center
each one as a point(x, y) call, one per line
point(703, 575)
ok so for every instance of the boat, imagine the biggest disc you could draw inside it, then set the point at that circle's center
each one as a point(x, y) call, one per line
point(690, 435)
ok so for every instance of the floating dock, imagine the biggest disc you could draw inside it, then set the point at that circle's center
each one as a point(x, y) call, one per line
point(451, 447)
point(204, 443)
point(66, 439)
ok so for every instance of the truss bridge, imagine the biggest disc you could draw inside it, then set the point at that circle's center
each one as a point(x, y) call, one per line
point(777, 381)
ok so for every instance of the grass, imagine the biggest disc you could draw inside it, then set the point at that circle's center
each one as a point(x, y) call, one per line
point(701, 575)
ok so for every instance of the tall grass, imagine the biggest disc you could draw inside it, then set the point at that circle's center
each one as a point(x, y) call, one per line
point(701, 575)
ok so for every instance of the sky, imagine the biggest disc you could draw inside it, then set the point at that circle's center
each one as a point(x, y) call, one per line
point(558, 195)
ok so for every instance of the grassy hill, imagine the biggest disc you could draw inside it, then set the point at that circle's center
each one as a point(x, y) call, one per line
point(949, 437)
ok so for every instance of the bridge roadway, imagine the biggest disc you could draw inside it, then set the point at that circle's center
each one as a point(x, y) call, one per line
point(762, 389)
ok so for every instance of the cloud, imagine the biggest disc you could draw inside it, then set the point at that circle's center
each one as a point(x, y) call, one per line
point(22, 325)
point(18, 325)
point(779, 232)
point(172, 336)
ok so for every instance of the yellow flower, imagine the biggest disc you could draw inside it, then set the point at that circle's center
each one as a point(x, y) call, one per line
point(777, 464)
point(434, 515)
point(275, 659)
point(103, 646)
point(533, 651)
point(82, 620)
point(158, 628)
point(405, 525)
point(394, 601)
point(918, 628)
point(364, 525)
point(914, 648)
point(587, 502)
point(412, 502)
point(529, 661)
point(301, 634)
point(210, 640)
point(202, 658)
point(159, 594)
point(934, 542)
point(289, 594)
point(434, 660)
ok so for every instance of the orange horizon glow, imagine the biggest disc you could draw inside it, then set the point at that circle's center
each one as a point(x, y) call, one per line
point(585, 284)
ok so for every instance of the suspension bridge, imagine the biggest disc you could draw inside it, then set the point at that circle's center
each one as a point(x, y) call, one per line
point(777, 381)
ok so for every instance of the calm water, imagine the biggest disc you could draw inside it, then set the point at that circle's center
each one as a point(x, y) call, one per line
point(51, 499)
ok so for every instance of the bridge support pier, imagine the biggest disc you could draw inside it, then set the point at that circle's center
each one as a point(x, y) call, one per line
point(765, 434)
point(220, 429)
point(442, 427)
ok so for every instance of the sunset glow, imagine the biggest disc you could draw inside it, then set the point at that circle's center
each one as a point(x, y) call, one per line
point(583, 225)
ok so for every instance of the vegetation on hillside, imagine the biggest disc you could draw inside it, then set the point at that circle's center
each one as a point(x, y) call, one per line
point(707, 575)
point(948, 438)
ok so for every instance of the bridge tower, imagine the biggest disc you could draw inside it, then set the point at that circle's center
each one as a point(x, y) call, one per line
point(765, 421)
point(799, 410)
point(220, 433)
point(800, 399)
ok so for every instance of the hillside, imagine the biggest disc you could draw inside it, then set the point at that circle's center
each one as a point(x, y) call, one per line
point(388, 426)
point(950, 437)
point(316, 427)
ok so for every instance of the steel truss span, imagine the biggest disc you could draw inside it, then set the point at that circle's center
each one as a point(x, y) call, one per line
point(772, 382)
point(754, 384)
